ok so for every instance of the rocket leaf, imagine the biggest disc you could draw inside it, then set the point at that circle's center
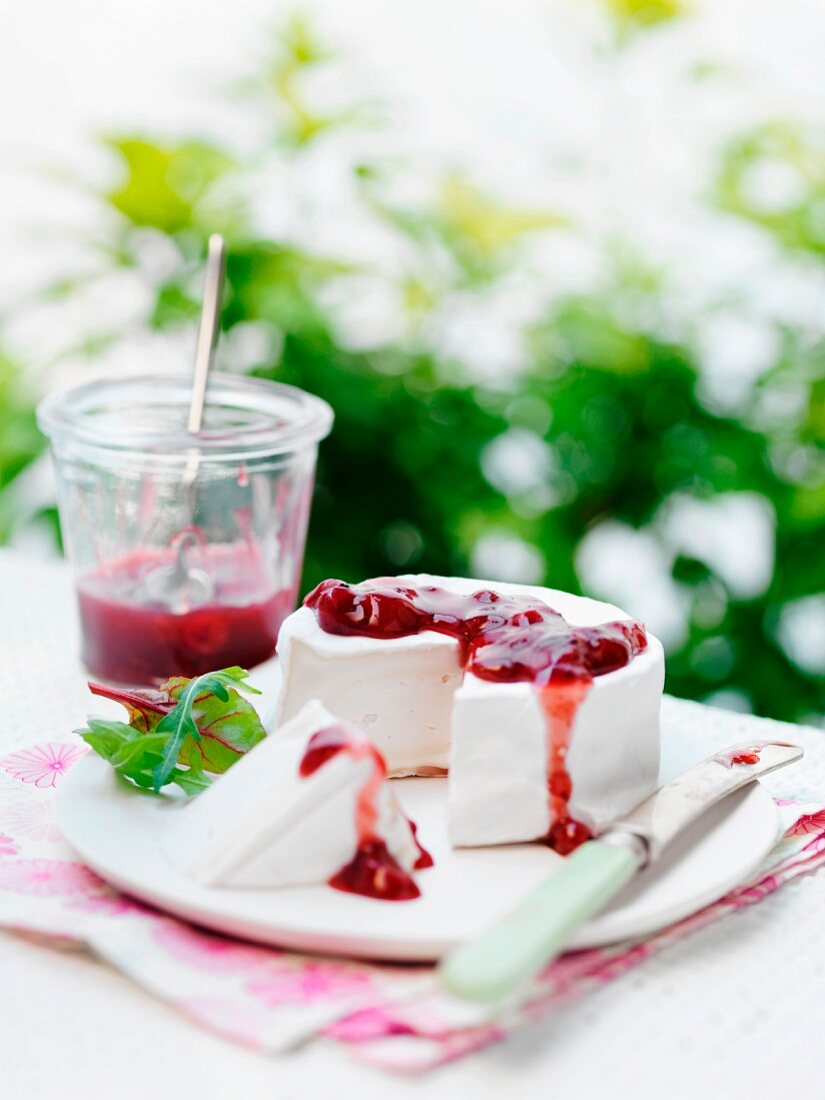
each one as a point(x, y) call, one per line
point(181, 733)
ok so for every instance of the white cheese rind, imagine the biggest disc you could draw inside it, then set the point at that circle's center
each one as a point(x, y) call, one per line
point(498, 796)
point(399, 691)
point(409, 696)
point(262, 824)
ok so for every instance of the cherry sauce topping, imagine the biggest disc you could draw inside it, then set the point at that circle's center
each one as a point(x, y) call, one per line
point(503, 638)
point(747, 756)
point(373, 871)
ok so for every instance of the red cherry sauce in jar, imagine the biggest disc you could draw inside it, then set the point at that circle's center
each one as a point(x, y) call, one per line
point(503, 638)
point(372, 871)
point(128, 639)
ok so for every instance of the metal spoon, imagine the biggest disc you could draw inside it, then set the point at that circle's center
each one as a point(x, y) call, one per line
point(182, 585)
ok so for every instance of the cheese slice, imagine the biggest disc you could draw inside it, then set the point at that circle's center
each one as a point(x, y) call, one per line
point(263, 824)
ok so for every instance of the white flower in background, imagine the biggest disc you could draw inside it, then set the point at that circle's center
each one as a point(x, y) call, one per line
point(490, 346)
point(156, 254)
point(272, 194)
point(793, 461)
point(145, 351)
point(771, 185)
point(518, 461)
point(502, 556)
point(102, 306)
point(485, 328)
point(801, 633)
point(734, 351)
point(632, 569)
point(367, 311)
point(708, 258)
point(117, 301)
point(734, 534)
point(792, 293)
point(569, 262)
point(249, 344)
point(353, 235)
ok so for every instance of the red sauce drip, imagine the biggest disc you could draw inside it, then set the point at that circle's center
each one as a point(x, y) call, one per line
point(424, 860)
point(322, 746)
point(560, 702)
point(739, 756)
point(372, 871)
point(746, 758)
point(503, 638)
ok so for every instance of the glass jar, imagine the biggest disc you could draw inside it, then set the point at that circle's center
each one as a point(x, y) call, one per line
point(187, 548)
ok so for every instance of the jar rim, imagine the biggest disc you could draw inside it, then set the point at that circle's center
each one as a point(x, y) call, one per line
point(289, 418)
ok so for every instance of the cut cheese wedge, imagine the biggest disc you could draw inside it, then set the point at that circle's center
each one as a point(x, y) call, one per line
point(309, 804)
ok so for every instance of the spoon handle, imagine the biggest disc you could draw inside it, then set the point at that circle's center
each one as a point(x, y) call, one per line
point(208, 330)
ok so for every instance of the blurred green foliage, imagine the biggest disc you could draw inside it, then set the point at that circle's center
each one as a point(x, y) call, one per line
point(20, 440)
point(612, 415)
point(797, 154)
point(165, 184)
point(633, 15)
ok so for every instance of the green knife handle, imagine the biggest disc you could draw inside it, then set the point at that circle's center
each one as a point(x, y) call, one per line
point(515, 949)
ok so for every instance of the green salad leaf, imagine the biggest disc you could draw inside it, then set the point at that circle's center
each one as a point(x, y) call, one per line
point(183, 733)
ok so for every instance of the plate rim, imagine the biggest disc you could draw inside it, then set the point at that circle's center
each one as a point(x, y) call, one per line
point(285, 933)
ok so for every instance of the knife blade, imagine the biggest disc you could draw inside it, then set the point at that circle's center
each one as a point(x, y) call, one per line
point(659, 819)
point(516, 948)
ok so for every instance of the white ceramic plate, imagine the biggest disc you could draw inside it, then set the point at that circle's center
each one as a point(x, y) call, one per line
point(116, 830)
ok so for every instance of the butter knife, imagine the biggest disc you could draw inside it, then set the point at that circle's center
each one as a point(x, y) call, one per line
point(504, 957)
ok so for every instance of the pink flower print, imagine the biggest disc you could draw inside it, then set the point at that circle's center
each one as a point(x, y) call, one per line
point(47, 877)
point(815, 844)
point(374, 1022)
point(309, 982)
point(209, 951)
point(42, 764)
point(7, 846)
point(808, 823)
point(32, 818)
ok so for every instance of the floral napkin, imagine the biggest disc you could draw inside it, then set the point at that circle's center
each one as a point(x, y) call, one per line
point(390, 1016)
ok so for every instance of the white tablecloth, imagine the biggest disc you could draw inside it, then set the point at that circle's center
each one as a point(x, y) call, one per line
point(734, 1011)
